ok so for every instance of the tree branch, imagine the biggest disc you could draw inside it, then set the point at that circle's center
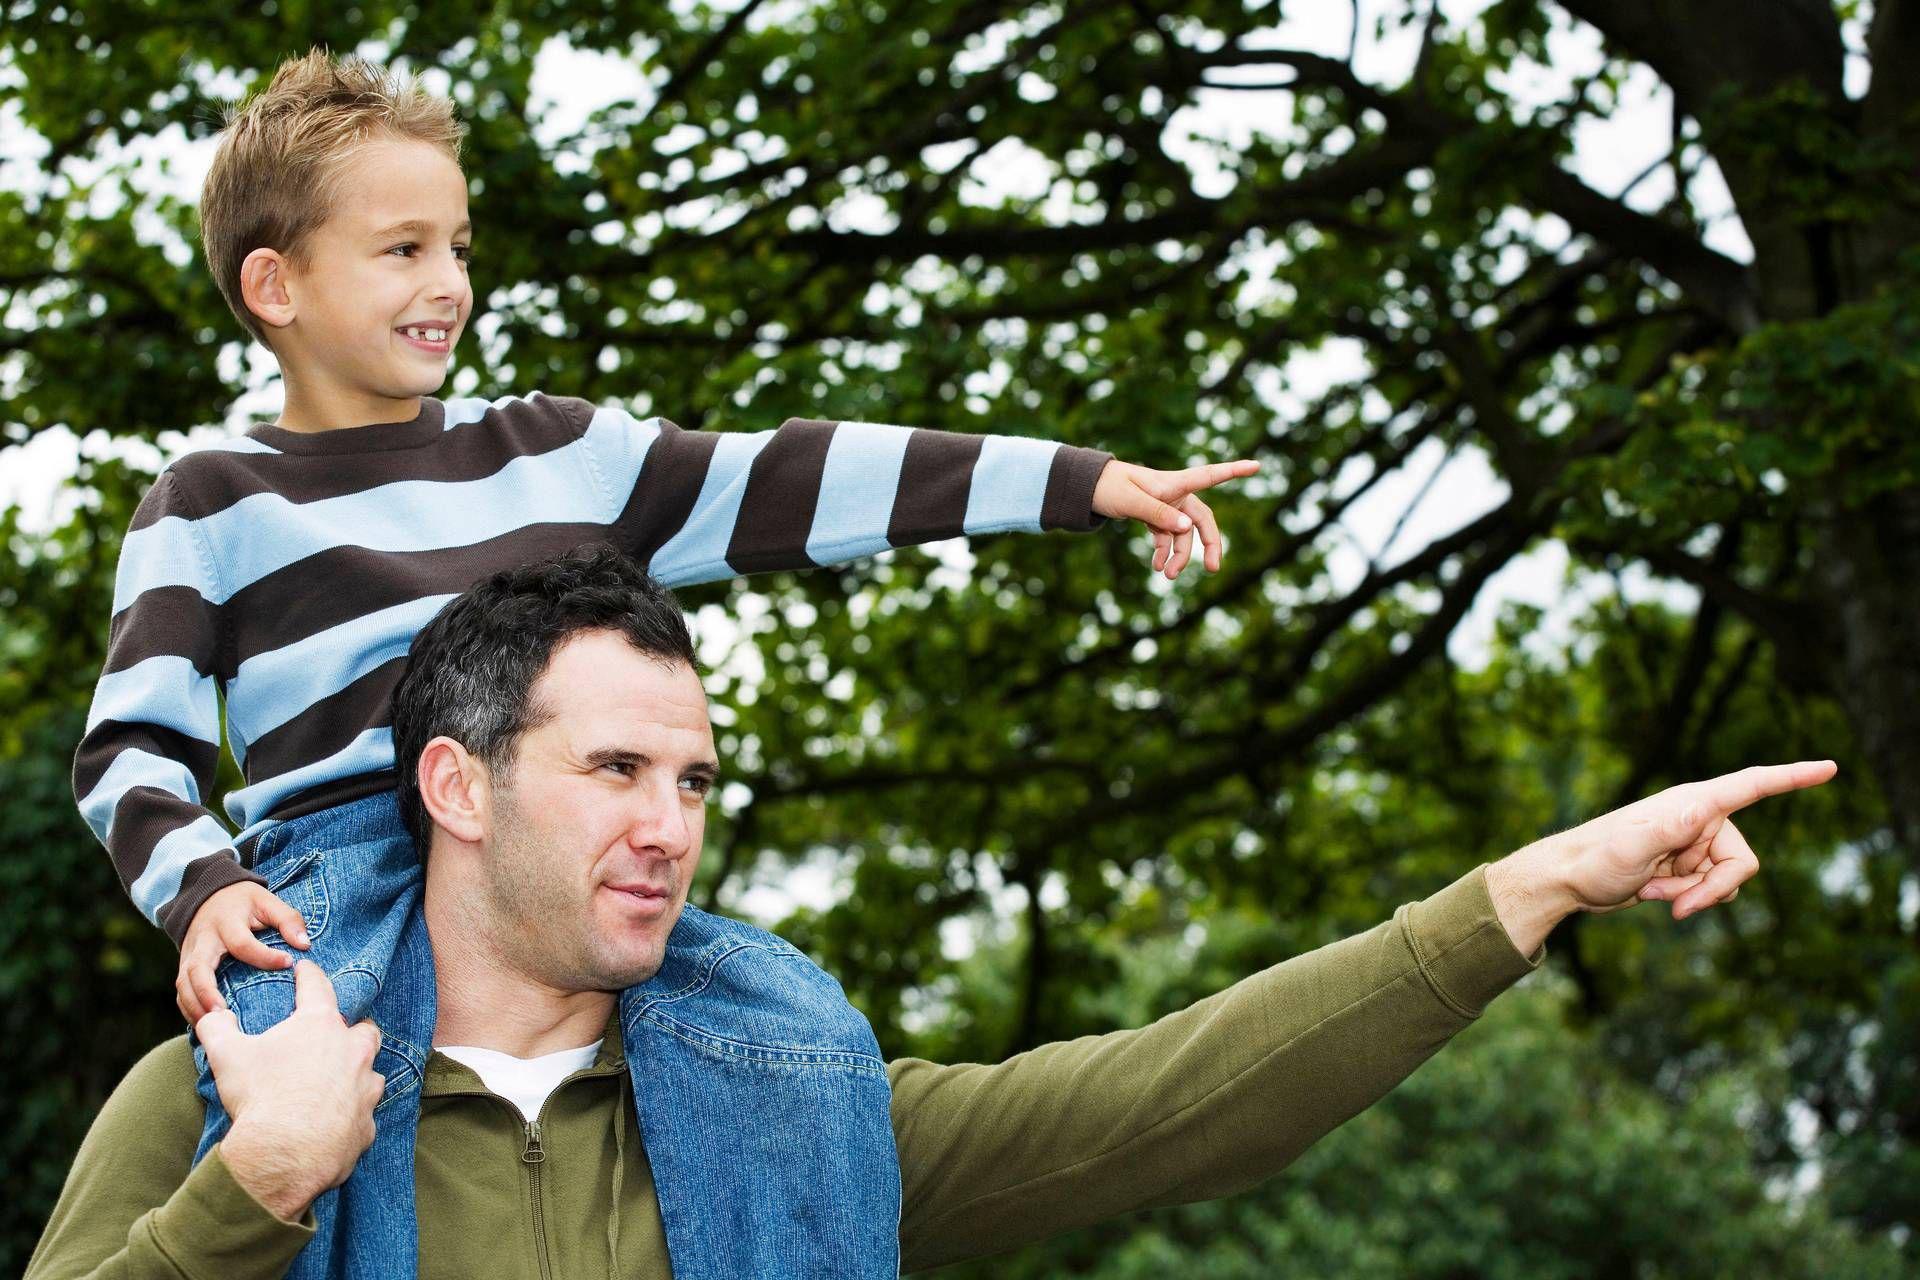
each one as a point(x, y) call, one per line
point(1700, 47)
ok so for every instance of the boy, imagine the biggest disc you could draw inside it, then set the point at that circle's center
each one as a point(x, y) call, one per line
point(286, 571)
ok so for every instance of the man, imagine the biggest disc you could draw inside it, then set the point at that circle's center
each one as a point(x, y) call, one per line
point(561, 755)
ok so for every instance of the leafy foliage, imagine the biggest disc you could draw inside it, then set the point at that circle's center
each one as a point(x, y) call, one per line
point(1029, 741)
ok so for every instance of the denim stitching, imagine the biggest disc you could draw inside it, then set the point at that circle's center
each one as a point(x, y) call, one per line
point(704, 978)
point(851, 1060)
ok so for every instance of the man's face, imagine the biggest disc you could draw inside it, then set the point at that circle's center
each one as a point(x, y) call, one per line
point(595, 841)
point(366, 279)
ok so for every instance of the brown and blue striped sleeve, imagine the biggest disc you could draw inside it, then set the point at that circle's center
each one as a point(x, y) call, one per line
point(696, 506)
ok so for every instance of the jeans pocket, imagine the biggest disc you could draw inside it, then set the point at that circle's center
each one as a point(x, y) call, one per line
point(302, 884)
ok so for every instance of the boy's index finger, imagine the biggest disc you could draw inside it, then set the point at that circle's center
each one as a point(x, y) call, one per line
point(1213, 473)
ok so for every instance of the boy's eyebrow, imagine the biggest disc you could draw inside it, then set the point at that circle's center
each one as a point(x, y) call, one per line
point(414, 225)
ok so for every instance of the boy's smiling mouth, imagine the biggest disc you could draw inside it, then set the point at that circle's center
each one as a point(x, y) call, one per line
point(427, 338)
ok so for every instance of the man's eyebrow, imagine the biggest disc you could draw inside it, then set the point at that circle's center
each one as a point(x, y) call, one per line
point(414, 226)
point(622, 755)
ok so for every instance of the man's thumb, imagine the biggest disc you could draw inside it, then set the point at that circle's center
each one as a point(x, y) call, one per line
point(217, 1030)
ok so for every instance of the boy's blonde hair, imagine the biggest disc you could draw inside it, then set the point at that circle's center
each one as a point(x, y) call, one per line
point(284, 153)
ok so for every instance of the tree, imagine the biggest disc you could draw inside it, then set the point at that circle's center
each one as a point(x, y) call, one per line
point(1049, 721)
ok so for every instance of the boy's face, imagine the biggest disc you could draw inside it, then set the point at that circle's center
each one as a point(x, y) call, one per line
point(339, 340)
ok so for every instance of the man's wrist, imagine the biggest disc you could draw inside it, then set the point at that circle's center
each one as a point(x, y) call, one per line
point(266, 1172)
point(1530, 892)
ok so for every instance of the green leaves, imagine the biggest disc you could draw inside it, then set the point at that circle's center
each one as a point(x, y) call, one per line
point(998, 218)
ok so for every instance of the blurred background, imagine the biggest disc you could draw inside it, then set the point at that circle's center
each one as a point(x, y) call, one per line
point(1580, 346)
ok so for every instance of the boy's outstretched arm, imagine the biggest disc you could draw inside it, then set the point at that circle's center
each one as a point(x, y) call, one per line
point(694, 506)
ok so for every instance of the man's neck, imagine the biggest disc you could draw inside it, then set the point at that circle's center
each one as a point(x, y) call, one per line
point(487, 1004)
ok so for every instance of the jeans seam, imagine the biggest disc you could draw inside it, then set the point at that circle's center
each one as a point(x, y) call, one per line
point(848, 1059)
point(704, 979)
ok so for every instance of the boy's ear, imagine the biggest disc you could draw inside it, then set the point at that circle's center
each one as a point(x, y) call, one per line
point(454, 790)
point(263, 286)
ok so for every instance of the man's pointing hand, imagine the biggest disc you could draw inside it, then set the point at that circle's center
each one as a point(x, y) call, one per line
point(1677, 845)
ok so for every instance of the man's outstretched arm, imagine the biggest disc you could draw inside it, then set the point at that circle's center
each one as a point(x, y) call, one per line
point(1223, 1095)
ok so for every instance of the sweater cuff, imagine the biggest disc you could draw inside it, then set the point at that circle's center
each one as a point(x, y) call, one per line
point(1462, 948)
point(205, 877)
point(212, 1226)
point(1070, 481)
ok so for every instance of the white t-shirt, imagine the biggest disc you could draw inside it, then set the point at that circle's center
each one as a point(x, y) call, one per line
point(525, 1082)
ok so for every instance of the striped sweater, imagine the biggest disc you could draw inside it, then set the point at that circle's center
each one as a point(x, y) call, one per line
point(285, 575)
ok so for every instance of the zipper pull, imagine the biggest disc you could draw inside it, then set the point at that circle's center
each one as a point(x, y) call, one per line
point(533, 1154)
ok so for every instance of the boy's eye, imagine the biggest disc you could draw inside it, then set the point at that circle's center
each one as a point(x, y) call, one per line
point(465, 252)
point(699, 786)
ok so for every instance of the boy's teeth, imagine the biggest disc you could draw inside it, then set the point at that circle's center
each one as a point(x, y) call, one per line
point(426, 335)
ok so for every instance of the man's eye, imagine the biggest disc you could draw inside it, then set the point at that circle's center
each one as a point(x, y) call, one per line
point(621, 767)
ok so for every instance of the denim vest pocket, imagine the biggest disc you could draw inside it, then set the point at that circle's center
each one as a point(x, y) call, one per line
point(302, 885)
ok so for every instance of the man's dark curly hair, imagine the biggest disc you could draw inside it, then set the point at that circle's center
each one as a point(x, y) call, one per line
point(470, 671)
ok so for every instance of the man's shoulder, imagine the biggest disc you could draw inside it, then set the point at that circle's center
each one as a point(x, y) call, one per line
point(164, 1071)
point(698, 932)
point(154, 1111)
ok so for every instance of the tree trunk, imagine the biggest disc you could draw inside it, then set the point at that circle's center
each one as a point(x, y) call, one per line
point(1866, 565)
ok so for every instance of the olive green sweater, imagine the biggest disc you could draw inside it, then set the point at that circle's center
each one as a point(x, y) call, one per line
point(1205, 1102)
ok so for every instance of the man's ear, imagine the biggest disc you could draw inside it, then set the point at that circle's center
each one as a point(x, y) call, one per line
point(263, 287)
point(454, 789)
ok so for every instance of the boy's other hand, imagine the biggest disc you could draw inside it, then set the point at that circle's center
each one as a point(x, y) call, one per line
point(1164, 501)
point(223, 926)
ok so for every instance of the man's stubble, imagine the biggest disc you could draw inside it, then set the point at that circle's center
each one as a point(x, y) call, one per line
point(541, 924)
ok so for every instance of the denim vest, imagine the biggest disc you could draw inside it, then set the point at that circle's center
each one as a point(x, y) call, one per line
point(765, 1108)
point(763, 1101)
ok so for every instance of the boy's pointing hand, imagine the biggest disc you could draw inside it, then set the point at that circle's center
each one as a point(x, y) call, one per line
point(1164, 501)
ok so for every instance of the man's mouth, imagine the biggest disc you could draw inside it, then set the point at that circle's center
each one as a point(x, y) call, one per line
point(645, 898)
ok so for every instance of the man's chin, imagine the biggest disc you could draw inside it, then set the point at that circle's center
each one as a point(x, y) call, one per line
point(616, 969)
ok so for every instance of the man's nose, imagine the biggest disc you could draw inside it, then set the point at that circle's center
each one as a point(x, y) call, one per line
point(660, 823)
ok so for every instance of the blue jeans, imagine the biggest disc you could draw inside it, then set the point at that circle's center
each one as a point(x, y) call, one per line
point(352, 873)
point(762, 1099)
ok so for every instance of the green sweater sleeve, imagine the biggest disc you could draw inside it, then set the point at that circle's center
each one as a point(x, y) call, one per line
point(1203, 1103)
point(135, 1206)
